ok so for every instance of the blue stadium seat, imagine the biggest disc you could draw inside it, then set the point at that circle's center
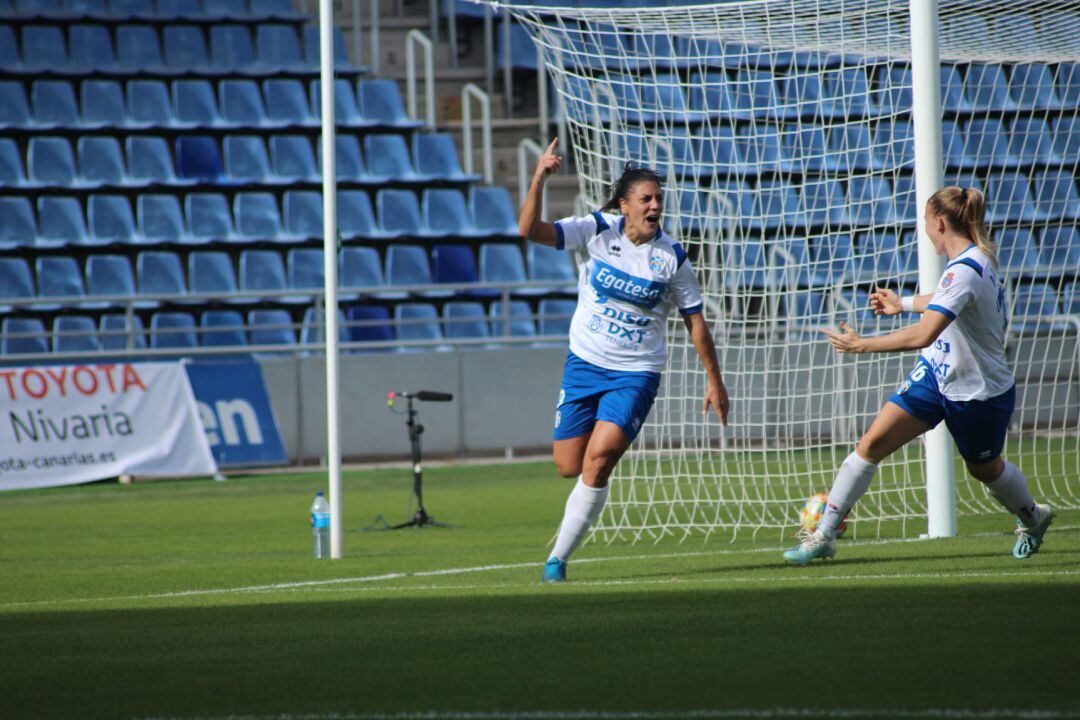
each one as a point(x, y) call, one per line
point(388, 158)
point(61, 222)
point(257, 217)
point(523, 55)
point(292, 160)
point(356, 218)
point(987, 89)
point(232, 50)
point(312, 51)
point(953, 99)
point(747, 262)
point(1032, 86)
point(211, 272)
point(287, 103)
point(103, 104)
point(51, 162)
point(59, 277)
point(1009, 199)
point(350, 163)
point(408, 265)
point(776, 205)
point(198, 158)
point(149, 104)
point(185, 49)
point(824, 204)
point(760, 147)
point(877, 255)
point(380, 102)
point(120, 332)
point(1056, 194)
point(304, 214)
point(196, 104)
point(160, 219)
point(1031, 142)
point(871, 201)
point(1033, 305)
point(246, 159)
point(893, 93)
point(754, 93)
point(112, 275)
point(850, 147)
point(954, 152)
point(1067, 135)
point(346, 111)
point(807, 149)
point(434, 154)
point(102, 163)
point(715, 152)
point(502, 262)
point(242, 104)
point(16, 280)
point(1068, 83)
point(465, 320)
point(361, 268)
point(312, 328)
point(278, 48)
point(110, 220)
point(133, 9)
point(894, 144)
point(222, 328)
point(370, 323)
point(209, 219)
point(180, 9)
point(453, 264)
point(44, 48)
point(399, 212)
point(808, 310)
point(1059, 250)
point(555, 316)
point(263, 270)
point(149, 160)
point(227, 10)
point(987, 144)
point(548, 264)
point(445, 214)
point(138, 49)
point(160, 273)
point(306, 269)
point(92, 48)
point(18, 227)
point(492, 211)
point(832, 260)
point(23, 336)
point(74, 333)
point(415, 322)
point(14, 108)
point(173, 331)
point(515, 321)
point(710, 94)
point(9, 50)
point(271, 327)
point(804, 97)
point(847, 88)
point(1017, 252)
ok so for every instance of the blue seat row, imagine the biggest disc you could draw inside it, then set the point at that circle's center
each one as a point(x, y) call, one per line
point(154, 10)
point(360, 271)
point(191, 104)
point(177, 50)
point(200, 218)
point(51, 161)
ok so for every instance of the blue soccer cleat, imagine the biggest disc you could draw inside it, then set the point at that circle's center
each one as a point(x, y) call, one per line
point(555, 571)
point(812, 547)
point(1029, 540)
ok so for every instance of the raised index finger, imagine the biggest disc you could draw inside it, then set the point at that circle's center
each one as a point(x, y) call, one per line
point(551, 148)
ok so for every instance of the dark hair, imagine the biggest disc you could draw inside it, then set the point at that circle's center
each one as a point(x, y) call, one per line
point(965, 211)
point(632, 174)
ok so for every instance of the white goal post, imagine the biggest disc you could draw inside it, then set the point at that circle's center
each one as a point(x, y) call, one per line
point(800, 140)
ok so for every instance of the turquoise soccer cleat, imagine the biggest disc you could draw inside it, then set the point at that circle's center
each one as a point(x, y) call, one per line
point(554, 571)
point(812, 547)
point(1029, 540)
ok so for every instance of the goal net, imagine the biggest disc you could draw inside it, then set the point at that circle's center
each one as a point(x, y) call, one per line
point(785, 132)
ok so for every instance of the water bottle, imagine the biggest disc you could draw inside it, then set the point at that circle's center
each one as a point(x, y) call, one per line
point(320, 525)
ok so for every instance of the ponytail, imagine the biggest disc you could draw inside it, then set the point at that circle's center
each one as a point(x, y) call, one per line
point(965, 212)
point(620, 189)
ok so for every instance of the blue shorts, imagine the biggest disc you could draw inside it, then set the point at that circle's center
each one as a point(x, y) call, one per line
point(590, 393)
point(977, 426)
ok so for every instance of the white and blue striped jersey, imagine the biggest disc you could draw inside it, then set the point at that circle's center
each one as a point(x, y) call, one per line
point(968, 358)
point(625, 292)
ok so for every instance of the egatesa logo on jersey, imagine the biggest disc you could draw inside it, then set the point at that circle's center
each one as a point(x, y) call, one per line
point(947, 280)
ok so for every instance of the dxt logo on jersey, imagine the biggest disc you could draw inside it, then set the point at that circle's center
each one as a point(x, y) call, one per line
point(608, 281)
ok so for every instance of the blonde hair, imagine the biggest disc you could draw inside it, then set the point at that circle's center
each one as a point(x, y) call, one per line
point(965, 212)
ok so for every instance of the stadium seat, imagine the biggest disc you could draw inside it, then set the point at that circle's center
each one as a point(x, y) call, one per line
point(242, 104)
point(1032, 87)
point(210, 272)
point(408, 265)
point(304, 214)
point(278, 48)
point(388, 159)
point(877, 255)
point(23, 336)
point(232, 50)
point(894, 144)
point(370, 323)
point(850, 146)
point(987, 89)
point(360, 268)
point(44, 48)
point(954, 152)
point(1056, 194)
point(18, 227)
point(92, 48)
point(709, 94)
point(804, 97)
point(356, 218)
point(263, 270)
point(776, 205)
point(987, 144)
point(417, 322)
point(748, 263)
point(110, 220)
point(160, 273)
point(825, 204)
point(209, 219)
point(138, 49)
point(312, 329)
point(227, 10)
point(292, 160)
point(246, 159)
point(754, 93)
point(555, 316)
point(893, 93)
point(287, 103)
point(102, 163)
point(160, 219)
point(522, 50)
point(271, 327)
point(306, 270)
point(1068, 82)
point(848, 90)
point(1009, 199)
point(312, 50)
point(16, 280)
point(133, 9)
point(74, 334)
point(222, 328)
point(453, 264)
point(14, 107)
point(103, 104)
point(51, 162)
point(492, 211)
point(808, 150)
point(120, 332)
point(257, 217)
point(465, 320)
point(952, 91)
point(9, 50)
point(149, 104)
point(1017, 252)
point(871, 201)
point(346, 111)
point(760, 148)
point(1067, 134)
point(180, 10)
point(380, 102)
point(502, 263)
point(517, 321)
point(1031, 142)
point(807, 310)
point(549, 264)
point(399, 212)
point(196, 104)
point(350, 163)
point(185, 49)
point(434, 154)
point(111, 275)
point(173, 331)
point(59, 277)
point(445, 214)
point(1059, 251)
point(1033, 306)
point(197, 158)
point(61, 222)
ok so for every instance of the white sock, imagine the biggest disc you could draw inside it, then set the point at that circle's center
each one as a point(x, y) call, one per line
point(851, 482)
point(1011, 490)
point(582, 509)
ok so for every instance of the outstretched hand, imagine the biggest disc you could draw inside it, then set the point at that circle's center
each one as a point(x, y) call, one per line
point(549, 162)
point(848, 342)
point(885, 302)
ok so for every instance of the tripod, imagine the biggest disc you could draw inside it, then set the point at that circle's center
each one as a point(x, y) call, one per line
point(421, 518)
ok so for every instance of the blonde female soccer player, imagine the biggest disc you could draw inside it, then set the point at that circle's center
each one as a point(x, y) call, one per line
point(961, 377)
point(634, 275)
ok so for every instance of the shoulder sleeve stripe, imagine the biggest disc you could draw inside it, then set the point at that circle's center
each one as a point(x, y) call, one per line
point(970, 263)
point(601, 223)
point(680, 254)
point(943, 310)
point(692, 310)
point(560, 237)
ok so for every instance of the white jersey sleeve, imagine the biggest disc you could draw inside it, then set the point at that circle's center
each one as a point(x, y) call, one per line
point(958, 285)
point(684, 285)
point(573, 233)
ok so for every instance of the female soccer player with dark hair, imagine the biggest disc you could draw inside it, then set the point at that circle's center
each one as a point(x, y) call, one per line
point(961, 377)
point(633, 277)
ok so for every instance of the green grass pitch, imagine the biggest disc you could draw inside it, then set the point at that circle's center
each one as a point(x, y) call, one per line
point(198, 599)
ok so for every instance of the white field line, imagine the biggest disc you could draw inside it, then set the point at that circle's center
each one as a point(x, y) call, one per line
point(717, 714)
point(454, 571)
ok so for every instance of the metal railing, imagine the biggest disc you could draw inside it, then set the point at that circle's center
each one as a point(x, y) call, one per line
point(414, 38)
point(526, 150)
point(469, 92)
